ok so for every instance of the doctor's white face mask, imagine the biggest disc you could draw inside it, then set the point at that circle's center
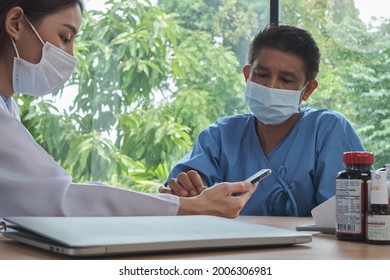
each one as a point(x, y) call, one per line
point(271, 105)
point(54, 69)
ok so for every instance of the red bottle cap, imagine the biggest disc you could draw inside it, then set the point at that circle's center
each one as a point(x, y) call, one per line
point(358, 158)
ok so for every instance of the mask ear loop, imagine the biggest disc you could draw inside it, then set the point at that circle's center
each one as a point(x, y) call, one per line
point(16, 50)
point(250, 72)
point(302, 93)
point(35, 31)
point(304, 87)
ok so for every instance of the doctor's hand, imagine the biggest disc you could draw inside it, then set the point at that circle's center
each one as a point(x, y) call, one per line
point(186, 184)
point(218, 200)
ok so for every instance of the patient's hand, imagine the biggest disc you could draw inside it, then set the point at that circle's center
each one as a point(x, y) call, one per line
point(186, 184)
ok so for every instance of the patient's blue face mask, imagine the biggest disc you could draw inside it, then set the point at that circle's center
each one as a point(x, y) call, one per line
point(272, 105)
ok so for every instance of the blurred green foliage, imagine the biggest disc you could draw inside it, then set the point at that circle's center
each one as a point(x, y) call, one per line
point(150, 77)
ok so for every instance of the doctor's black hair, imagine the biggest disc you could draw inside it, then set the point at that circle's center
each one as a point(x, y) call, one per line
point(34, 10)
point(288, 39)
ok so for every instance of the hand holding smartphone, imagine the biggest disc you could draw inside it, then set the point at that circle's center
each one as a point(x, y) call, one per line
point(258, 176)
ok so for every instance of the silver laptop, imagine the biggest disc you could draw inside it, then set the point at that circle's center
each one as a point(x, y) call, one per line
point(97, 236)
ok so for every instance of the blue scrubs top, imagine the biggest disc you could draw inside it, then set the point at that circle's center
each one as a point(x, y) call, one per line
point(304, 164)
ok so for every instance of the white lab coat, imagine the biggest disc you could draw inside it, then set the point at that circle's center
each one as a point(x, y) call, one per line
point(33, 184)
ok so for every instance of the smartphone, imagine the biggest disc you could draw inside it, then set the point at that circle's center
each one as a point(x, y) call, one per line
point(260, 175)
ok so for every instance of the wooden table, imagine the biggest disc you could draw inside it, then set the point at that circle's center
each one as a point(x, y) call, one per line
point(322, 247)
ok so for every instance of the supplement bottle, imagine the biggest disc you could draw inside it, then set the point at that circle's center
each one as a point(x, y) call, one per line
point(351, 196)
point(378, 216)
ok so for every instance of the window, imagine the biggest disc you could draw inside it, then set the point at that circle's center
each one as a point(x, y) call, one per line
point(354, 37)
point(152, 74)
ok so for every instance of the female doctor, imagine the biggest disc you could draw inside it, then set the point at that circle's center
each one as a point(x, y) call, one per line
point(36, 58)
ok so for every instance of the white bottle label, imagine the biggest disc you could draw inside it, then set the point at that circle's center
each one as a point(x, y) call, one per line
point(348, 206)
point(378, 227)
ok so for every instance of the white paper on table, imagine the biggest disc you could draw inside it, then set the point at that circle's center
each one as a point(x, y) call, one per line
point(324, 216)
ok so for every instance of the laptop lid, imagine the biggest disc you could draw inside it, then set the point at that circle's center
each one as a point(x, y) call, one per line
point(96, 236)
